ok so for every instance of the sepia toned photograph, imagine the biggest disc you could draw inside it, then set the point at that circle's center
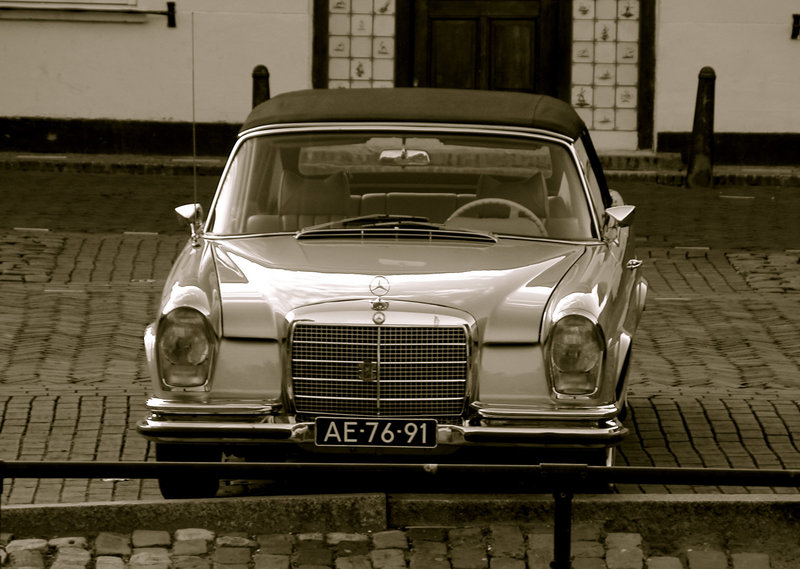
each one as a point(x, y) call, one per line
point(399, 284)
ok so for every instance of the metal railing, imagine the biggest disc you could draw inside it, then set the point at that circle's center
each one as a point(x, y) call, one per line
point(562, 480)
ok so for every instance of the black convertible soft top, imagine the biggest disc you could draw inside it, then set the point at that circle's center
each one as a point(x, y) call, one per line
point(460, 106)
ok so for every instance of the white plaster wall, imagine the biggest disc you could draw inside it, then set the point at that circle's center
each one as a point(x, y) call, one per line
point(748, 44)
point(144, 71)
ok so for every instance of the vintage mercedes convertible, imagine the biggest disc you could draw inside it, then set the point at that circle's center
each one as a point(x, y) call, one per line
point(399, 275)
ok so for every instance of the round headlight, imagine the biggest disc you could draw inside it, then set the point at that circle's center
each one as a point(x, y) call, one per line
point(185, 348)
point(576, 347)
point(184, 339)
point(575, 355)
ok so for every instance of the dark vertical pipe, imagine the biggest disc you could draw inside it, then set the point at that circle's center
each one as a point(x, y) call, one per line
point(562, 530)
point(2, 482)
point(171, 14)
point(701, 146)
point(260, 84)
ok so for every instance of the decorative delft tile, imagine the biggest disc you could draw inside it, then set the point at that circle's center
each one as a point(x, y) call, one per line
point(628, 30)
point(628, 9)
point(604, 96)
point(605, 52)
point(626, 97)
point(339, 46)
point(582, 30)
point(361, 47)
point(382, 48)
point(383, 69)
point(384, 7)
point(383, 84)
point(627, 74)
point(361, 84)
point(605, 74)
point(338, 5)
point(583, 51)
point(361, 25)
point(604, 119)
point(361, 6)
point(626, 119)
point(338, 84)
point(339, 68)
point(583, 9)
point(627, 52)
point(586, 116)
point(606, 10)
point(582, 96)
point(339, 25)
point(605, 30)
point(361, 69)
point(582, 74)
point(383, 26)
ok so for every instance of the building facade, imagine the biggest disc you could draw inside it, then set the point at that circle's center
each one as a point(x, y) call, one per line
point(136, 75)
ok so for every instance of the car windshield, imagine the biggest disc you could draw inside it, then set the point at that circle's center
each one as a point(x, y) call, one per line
point(501, 185)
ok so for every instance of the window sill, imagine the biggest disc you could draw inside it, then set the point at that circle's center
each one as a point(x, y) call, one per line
point(93, 14)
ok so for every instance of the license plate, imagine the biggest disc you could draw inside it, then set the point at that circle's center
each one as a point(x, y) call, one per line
point(409, 433)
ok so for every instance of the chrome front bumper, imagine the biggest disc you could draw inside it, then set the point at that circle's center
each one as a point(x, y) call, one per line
point(258, 424)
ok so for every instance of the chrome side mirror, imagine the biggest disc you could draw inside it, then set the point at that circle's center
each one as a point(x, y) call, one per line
point(616, 218)
point(192, 215)
point(622, 214)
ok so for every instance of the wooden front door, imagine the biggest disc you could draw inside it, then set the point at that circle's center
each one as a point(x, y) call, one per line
point(510, 45)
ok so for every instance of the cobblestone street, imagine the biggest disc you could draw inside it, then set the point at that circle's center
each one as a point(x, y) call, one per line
point(715, 380)
point(499, 546)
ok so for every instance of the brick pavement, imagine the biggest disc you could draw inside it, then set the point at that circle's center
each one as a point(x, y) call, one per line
point(714, 377)
point(714, 380)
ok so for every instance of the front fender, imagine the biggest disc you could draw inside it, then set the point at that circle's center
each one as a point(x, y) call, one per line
point(593, 289)
point(193, 283)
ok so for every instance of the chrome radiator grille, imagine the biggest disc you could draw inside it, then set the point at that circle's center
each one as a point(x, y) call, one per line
point(379, 370)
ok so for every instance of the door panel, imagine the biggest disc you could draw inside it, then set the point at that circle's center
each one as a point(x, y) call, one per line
point(512, 55)
point(520, 45)
point(453, 58)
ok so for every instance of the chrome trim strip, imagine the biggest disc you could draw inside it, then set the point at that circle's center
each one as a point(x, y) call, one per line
point(159, 405)
point(455, 435)
point(394, 399)
point(403, 126)
point(562, 413)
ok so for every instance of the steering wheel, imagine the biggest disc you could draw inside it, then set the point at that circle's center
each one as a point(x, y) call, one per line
point(513, 206)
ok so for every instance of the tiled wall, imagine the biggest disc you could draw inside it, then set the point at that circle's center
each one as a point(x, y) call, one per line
point(605, 55)
point(605, 63)
point(361, 43)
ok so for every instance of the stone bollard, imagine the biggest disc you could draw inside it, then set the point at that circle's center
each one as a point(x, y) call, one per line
point(260, 84)
point(701, 145)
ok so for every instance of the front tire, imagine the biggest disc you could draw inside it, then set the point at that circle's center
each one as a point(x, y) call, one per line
point(193, 487)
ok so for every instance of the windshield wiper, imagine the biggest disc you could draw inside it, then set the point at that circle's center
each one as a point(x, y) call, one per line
point(377, 220)
point(383, 225)
point(384, 220)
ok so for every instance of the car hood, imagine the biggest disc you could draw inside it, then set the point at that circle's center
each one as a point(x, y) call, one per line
point(503, 286)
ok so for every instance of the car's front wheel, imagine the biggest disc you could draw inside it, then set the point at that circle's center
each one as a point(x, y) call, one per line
point(182, 486)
